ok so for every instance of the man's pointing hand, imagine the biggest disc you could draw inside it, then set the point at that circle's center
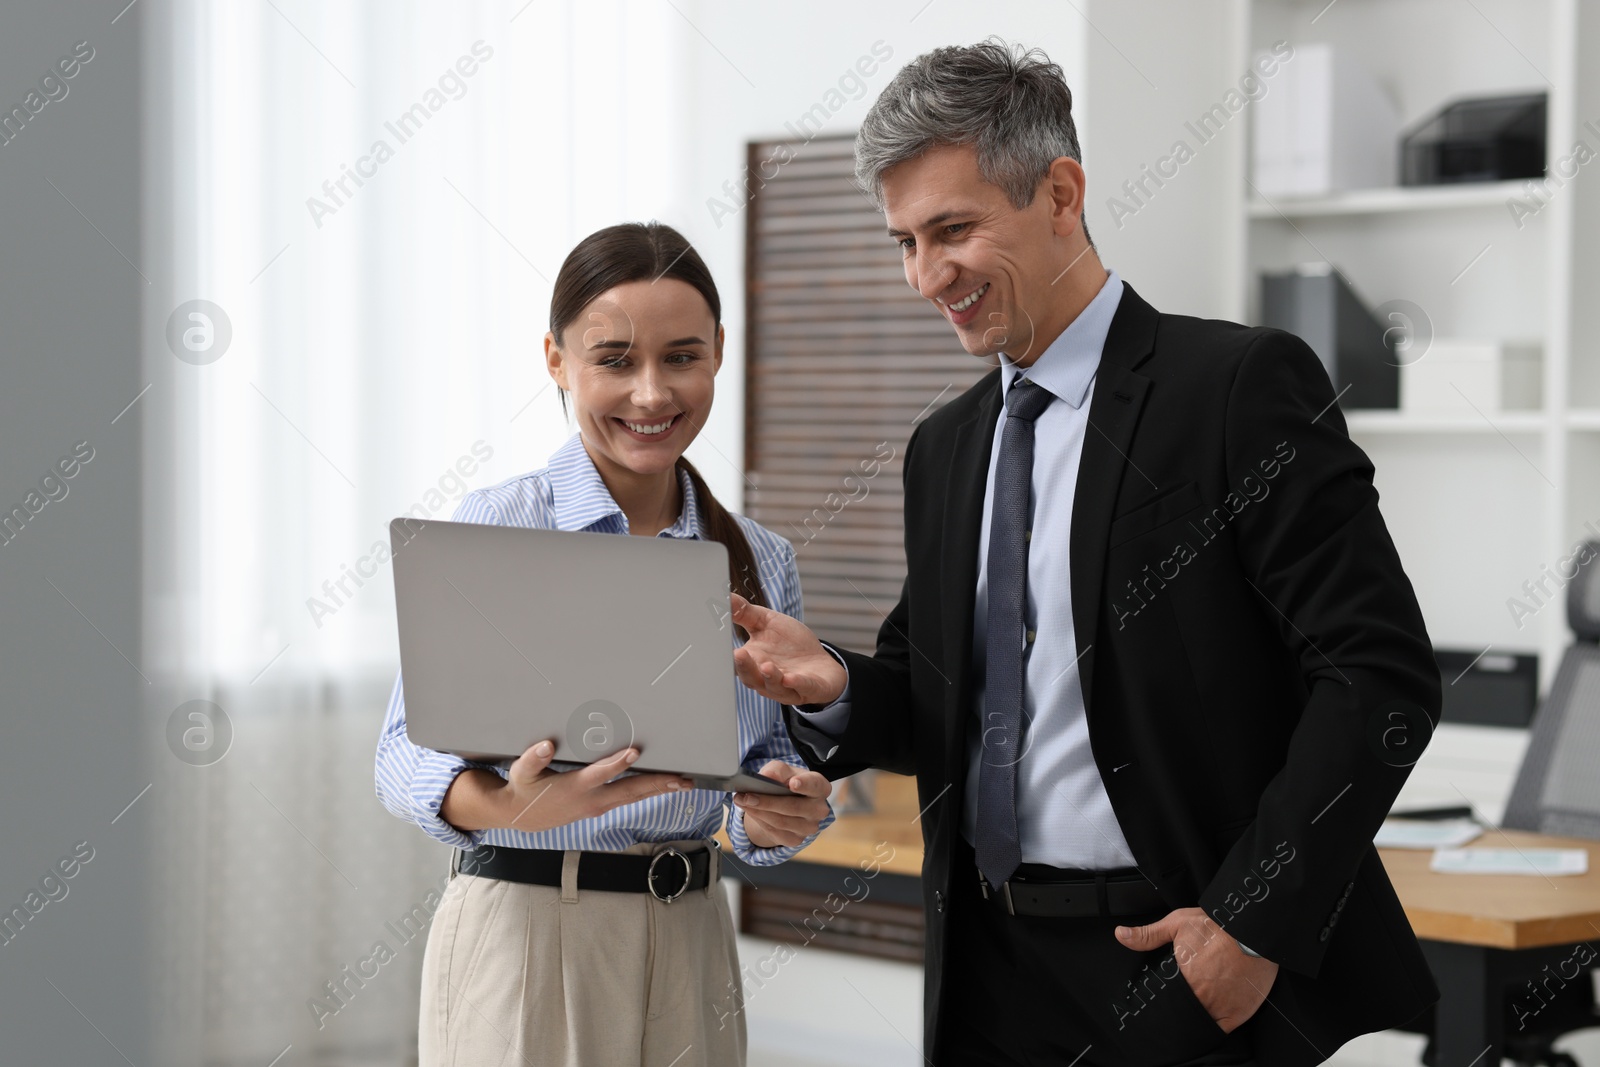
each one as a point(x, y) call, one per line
point(783, 659)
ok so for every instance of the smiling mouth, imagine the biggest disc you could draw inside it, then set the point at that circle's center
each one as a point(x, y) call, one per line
point(971, 298)
point(651, 429)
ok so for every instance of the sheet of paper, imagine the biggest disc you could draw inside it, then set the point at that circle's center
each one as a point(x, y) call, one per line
point(1540, 861)
point(1426, 833)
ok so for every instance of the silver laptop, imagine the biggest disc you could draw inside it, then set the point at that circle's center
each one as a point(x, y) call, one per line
point(509, 636)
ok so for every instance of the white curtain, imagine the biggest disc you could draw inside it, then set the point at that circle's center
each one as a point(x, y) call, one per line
point(376, 196)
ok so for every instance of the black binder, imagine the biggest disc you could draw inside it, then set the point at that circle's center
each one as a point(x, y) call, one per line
point(1317, 305)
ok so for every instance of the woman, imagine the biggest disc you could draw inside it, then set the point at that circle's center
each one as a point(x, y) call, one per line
point(527, 962)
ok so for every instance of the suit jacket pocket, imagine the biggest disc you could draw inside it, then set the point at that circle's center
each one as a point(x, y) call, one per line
point(1168, 506)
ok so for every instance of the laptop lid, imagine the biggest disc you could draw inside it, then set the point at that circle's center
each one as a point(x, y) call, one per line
point(511, 635)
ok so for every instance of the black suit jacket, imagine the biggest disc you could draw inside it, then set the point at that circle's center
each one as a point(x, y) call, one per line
point(1254, 664)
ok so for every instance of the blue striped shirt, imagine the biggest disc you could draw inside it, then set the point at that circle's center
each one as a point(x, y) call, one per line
point(569, 495)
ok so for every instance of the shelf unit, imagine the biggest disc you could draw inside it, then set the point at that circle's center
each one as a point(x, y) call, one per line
point(1478, 502)
point(1362, 423)
point(1387, 201)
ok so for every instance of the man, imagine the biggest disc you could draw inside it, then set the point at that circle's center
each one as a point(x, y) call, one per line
point(1155, 666)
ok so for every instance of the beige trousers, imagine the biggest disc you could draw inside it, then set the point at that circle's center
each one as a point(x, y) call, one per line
point(540, 976)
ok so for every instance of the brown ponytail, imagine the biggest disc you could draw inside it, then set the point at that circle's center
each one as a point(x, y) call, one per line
point(632, 252)
point(744, 575)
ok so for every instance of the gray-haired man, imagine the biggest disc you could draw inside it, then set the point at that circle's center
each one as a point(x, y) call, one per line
point(1156, 665)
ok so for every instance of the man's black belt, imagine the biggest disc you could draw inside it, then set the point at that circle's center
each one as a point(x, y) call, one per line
point(666, 875)
point(1104, 894)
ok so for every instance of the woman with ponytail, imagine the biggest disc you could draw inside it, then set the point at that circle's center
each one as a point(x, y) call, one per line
point(526, 960)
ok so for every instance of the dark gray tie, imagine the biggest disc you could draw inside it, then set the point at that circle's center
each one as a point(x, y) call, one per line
point(997, 848)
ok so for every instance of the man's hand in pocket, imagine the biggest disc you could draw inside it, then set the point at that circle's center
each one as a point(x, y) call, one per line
point(1230, 985)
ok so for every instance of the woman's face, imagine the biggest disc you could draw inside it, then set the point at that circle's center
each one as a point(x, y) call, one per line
point(638, 365)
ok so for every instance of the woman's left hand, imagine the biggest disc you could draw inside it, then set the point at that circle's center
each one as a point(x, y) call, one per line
point(774, 821)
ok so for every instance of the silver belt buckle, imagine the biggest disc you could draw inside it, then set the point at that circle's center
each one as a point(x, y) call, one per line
point(650, 874)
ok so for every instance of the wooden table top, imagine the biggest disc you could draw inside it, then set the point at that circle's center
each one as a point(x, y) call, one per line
point(1498, 910)
point(855, 839)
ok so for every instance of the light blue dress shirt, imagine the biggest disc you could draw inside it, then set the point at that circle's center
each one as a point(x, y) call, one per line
point(570, 495)
point(1064, 816)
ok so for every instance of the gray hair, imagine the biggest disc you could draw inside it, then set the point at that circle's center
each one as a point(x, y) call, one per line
point(1011, 102)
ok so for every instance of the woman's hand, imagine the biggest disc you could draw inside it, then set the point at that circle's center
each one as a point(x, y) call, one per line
point(541, 799)
point(775, 821)
point(783, 660)
point(534, 798)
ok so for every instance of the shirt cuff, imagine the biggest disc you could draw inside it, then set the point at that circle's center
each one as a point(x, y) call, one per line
point(832, 719)
point(429, 783)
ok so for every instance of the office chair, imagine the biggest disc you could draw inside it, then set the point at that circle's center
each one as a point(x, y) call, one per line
point(1558, 786)
point(1557, 791)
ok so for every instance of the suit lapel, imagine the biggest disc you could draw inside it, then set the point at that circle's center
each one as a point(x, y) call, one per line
point(1114, 409)
point(963, 524)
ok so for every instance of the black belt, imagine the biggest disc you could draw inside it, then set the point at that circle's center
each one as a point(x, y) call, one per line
point(1104, 894)
point(667, 875)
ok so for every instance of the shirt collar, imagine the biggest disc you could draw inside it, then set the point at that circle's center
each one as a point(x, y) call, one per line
point(582, 501)
point(1068, 366)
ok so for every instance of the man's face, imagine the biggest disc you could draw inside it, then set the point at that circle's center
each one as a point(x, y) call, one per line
point(986, 265)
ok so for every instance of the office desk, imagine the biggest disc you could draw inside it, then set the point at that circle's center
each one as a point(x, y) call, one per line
point(1485, 933)
point(892, 822)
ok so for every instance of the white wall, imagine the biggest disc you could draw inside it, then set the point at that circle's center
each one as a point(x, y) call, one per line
point(1151, 66)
